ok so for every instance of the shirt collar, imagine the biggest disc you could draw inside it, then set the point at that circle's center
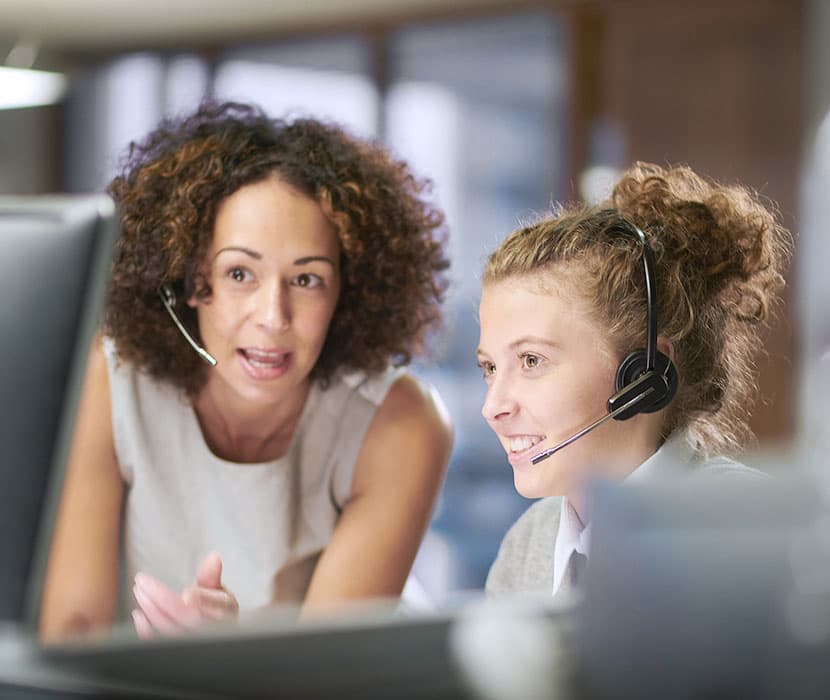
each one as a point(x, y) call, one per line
point(572, 536)
point(674, 457)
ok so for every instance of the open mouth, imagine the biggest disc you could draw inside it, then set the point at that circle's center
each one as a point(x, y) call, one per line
point(264, 364)
point(265, 359)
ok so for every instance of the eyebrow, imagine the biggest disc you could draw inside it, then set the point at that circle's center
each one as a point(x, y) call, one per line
point(536, 340)
point(314, 258)
point(524, 340)
point(258, 256)
point(239, 249)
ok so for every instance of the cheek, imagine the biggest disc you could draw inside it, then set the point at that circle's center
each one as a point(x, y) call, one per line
point(560, 397)
point(218, 314)
point(314, 321)
point(566, 403)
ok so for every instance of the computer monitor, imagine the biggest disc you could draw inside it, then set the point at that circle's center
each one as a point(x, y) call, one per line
point(55, 255)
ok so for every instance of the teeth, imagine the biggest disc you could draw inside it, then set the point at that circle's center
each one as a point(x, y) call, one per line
point(264, 359)
point(518, 444)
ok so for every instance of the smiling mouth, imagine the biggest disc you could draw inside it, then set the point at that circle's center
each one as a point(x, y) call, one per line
point(523, 443)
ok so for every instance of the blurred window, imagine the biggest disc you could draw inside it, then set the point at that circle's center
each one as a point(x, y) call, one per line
point(120, 101)
point(477, 106)
point(327, 79)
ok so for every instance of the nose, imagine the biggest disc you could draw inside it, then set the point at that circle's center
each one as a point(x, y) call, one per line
point(273, 312)
point(500, 402)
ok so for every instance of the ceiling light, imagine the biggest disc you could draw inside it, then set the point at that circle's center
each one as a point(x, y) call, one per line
point(21, 87)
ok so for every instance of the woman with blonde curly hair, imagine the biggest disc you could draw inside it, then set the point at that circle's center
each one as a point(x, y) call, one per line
point(245, 433)
point(617, 341)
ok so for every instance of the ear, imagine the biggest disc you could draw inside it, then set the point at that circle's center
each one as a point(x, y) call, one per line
point(665, 346)
point(195, 300)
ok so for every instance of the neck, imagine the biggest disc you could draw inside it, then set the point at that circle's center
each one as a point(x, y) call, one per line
point(238, 430)
point(615, 469)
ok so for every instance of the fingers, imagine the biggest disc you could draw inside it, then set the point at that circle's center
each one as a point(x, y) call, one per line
point(209, 574)
point(211, 603)
point(164, 608)
point(164, 611)
point(143, 628)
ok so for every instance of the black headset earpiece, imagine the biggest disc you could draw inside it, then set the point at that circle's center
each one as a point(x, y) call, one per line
point(633, 377)
point(647, 379)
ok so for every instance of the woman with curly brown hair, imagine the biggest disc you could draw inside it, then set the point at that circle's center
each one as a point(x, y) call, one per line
point(244, 436)
point(617, 342)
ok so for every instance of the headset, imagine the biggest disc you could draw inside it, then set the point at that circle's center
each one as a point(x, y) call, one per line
point(646, 380)
point(168, 298)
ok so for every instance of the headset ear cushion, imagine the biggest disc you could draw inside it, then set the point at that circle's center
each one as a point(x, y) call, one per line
point(634, 366)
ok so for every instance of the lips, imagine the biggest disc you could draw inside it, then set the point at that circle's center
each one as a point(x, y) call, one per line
point(264, 364)
point(264, 357)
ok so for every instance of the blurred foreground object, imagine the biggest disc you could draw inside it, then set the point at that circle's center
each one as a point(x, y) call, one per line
point(710, 590)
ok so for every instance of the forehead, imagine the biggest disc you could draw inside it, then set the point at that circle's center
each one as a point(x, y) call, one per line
point(549, 307)
point(272, 213)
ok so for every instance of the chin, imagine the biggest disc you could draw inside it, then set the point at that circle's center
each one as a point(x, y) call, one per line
point(551, 477)
point(534, 485)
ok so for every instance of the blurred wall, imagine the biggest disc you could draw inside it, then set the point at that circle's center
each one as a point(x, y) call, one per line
point(715, 85)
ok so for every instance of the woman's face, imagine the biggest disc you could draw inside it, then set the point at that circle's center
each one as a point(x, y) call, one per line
point(550, 370)
point(274, 273)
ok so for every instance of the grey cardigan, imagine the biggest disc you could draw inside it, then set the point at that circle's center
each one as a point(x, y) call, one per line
point(525, 559)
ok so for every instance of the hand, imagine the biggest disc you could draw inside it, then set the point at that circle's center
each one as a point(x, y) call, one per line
point(166, 612)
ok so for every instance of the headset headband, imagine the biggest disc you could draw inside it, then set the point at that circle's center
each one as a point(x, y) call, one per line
point(626, 226)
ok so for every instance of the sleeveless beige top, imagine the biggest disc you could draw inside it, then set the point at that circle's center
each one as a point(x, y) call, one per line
point(268, 521)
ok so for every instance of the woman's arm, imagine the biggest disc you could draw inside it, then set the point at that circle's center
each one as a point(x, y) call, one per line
point(81, 587)
point(398, 473)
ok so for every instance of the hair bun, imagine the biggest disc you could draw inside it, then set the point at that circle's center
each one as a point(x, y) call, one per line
point(720, 240)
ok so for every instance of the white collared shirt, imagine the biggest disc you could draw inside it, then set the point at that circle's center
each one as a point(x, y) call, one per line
point(573, 536)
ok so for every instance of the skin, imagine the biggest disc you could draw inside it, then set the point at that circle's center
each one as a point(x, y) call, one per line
point(550, 369)
point(274, 273)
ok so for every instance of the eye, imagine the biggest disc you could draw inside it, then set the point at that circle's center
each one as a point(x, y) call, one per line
point(308, 279)
point(488, 369)
point(239, 274)
point(530, 361)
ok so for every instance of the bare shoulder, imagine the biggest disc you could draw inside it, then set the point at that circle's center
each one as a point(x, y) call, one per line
point(97, 368)
point(412, 431)
point(412, 416)
point(95, 395)
point(413, 407)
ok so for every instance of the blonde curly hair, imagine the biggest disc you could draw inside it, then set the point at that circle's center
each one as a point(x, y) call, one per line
point(719, 254)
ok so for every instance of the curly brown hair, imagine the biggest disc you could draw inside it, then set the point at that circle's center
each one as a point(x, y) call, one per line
point(719, 254)
point(391, 238)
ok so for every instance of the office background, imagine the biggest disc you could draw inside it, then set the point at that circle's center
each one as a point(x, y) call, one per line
point(507, 106)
